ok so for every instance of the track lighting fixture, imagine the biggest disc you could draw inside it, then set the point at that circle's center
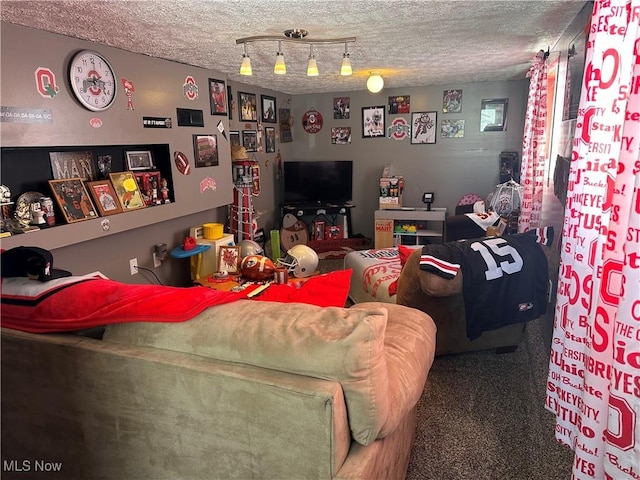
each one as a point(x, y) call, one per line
point(280, 68)
point(245, 68)
point(296, 35)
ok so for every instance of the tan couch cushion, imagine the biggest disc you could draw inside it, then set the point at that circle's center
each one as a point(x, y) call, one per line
point(346, 345)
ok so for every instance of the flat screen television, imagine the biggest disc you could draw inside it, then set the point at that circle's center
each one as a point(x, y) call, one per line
point(319, 181)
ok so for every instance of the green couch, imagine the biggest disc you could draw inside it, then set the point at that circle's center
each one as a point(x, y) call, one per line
point(244, 390)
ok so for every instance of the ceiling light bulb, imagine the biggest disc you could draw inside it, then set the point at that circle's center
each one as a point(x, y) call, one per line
point(345, 68)
point(312, 68)
point(375, 83)
point(245, 68)
point(279, 68)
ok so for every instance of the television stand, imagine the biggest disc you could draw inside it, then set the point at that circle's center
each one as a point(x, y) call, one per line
point(333, 214)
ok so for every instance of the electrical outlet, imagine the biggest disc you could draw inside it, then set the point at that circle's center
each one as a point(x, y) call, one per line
point(156, 260)
point(133, 266)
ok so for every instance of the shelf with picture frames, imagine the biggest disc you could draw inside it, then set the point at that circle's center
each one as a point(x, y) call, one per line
point(28, 170)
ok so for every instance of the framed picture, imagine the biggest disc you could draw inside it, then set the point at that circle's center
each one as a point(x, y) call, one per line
point(72, 165)
point(149, 184)
point(229, 102)
point(399, 104)
point(104, 197)
point(234, 138)
point(247, 107)
point(268, 109)
point(452, 128)
point(217, 97)
point(341, 108)
point(127, 191)
point(423, 127)
point(270, 139)
point(493, 115)
point(73, 199)
point(341, 135)
point(205, 150)
point(285, 125)
point(141, 160)
point(250, 140)
point(373, 122)
point(318, 229)
point(451, 101)
point(229, 259)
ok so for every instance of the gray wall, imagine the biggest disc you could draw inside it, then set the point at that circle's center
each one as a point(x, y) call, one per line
point(451, 167)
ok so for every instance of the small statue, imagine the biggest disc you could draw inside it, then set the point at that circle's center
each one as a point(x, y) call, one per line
point(164, 191)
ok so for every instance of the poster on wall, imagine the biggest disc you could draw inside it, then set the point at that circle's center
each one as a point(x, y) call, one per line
point(452, 128)
point(285, 125)
point(423, 127)
point(452, 101)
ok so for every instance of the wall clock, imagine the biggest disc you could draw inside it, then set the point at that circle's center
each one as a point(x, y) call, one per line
point(92, 80)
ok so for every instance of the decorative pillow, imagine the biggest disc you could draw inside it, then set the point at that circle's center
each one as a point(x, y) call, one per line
point(403, 253)
point(339, 344)
point(326, 290)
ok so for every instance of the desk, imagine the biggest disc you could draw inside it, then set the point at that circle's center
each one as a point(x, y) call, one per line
point(194, 255)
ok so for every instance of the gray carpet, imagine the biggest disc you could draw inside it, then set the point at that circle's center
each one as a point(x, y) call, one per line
point(482, 416)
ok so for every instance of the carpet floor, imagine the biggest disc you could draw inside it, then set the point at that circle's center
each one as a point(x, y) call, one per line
point(482, 416)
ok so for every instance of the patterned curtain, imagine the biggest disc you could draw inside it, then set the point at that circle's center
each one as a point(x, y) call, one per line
point(534, 153)
point(593, 386)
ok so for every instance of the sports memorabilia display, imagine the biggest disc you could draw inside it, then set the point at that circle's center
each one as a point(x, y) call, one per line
point(92, 80)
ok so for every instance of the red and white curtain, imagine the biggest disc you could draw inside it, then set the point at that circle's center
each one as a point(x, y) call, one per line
point(534, 152)
point(593, 386)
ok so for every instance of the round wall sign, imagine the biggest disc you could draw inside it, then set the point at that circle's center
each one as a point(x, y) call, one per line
point(312, 121)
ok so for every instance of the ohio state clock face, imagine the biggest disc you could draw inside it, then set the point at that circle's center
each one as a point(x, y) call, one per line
point(92, 80)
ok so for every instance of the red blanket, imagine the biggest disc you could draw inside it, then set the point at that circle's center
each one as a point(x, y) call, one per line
point(96, 302)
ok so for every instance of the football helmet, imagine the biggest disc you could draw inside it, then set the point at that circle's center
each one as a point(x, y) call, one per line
point(301, 261)
point(249, 247)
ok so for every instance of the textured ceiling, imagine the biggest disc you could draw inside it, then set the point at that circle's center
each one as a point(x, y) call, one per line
point(409, 42)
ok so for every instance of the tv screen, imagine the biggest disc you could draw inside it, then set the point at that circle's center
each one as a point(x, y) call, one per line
point(328, 181)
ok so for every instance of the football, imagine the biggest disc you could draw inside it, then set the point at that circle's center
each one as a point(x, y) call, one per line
point(182, 163)
point(257, 267)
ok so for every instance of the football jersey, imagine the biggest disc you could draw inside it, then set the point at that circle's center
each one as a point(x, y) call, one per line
point(505, 278)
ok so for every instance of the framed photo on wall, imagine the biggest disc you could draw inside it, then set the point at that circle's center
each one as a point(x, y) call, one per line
point(341, 108)
point(247, 106)
point(423, 127)
point(270, 139)
point(205, 150)
point(73, 199)
point(140, 160)
point(250, 140)
point(373, 121)
point(217, 97)
point(493, 115)
point(451, 101)
point(268, 109)
point(341, 135)
point(452, 128)
point(127, 190)
point(104, 197)
point(234, 138)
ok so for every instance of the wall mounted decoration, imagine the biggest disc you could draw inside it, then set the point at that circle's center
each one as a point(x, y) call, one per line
point(452, 128)
point(452, 101)
point(104, 197)
point(127, 190)
point(399, 104)
point(182, 163)
point(149, 186)
point(139, 160)
point(373, 121)
point(205, 150)
point(72, 165)
point(234, 138)
point(341, 108)
point(46, 82)
point(190, 88)
point(73, 199)
point(270, 139)
point(285, 125)
point(92, 80)
point(217, 97)
point(341, 135)
point(248, 111)
point(128, 91)
point(493, 115)
point(250, 140)
point(312, 121)
point(399, 129)
point(423, 127)
point(268, 108)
